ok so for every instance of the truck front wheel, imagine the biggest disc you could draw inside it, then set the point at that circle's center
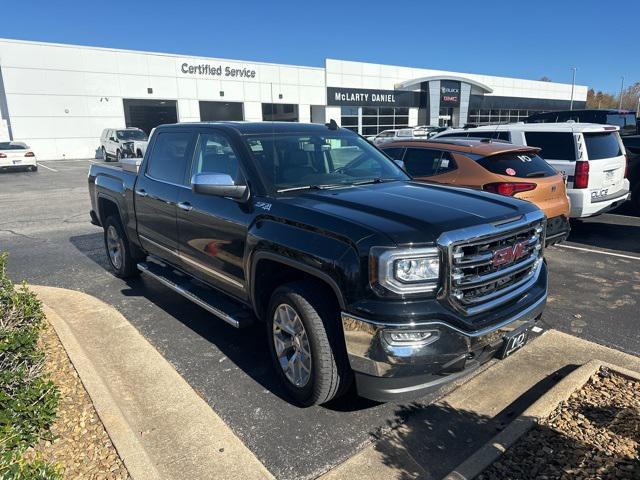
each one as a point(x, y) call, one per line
point(306, 344)
point(118, 249)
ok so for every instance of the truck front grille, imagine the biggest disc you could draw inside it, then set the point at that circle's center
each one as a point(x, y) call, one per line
point(494, 269)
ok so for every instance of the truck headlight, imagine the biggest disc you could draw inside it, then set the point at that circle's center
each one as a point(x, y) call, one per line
point(407, 270)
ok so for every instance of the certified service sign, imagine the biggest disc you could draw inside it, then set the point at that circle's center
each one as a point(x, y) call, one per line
point(213, 70)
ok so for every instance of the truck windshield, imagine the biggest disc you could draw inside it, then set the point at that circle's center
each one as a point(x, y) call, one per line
point(296, 161)
point(131, 135)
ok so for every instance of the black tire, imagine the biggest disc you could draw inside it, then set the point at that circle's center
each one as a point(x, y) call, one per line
point(330, 374)
point(126, 266)
point(33, 168)
point(105, 155)
point(118, 156)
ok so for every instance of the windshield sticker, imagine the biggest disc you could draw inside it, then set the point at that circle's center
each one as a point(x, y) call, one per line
point(511, 171)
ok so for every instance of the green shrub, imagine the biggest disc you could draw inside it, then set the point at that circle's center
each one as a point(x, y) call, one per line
point(28, 399)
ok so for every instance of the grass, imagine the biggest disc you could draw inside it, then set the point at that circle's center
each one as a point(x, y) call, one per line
point(28, 399)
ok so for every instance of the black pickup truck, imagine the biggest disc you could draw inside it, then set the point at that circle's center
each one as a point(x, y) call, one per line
point(357, 272)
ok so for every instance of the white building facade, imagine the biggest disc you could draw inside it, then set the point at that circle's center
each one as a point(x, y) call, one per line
point(59, 98)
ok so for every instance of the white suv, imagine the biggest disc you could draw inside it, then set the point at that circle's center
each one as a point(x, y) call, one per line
point(591, 156)
point(121, 143)
point(408, 133)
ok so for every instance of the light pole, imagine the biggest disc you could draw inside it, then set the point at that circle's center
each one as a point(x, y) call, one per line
point(573, 86)
point(621, 88)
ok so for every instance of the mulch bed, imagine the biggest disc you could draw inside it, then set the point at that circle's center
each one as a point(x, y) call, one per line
point(595, 434)
point(80, 446)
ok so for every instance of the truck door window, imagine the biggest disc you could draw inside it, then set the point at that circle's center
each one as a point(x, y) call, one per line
point(172, 152)
point(214, 154)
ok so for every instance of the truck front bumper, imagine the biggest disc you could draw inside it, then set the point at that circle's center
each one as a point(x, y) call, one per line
point(387, 372)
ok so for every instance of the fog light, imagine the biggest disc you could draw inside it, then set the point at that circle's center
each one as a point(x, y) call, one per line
point(410, 337)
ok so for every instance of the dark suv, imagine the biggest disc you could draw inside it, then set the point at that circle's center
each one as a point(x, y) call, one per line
point(355, 270)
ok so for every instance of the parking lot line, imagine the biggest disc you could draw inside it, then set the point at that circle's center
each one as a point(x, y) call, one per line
point(48, 168)
point(631, 257)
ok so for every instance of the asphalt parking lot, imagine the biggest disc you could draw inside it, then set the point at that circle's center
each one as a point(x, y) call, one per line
point(44, 225)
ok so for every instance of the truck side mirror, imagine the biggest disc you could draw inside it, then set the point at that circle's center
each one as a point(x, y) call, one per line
point(217, 184)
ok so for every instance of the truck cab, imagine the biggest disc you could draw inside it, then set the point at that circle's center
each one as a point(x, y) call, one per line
point(359, 274)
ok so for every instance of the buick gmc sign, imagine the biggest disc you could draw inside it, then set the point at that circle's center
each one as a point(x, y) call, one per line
point(449, 93)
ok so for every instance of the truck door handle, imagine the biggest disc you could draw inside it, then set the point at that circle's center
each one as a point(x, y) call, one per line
point(141, 193)
point(186, 206)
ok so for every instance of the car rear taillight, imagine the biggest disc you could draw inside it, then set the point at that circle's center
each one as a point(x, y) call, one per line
point(2, 155)
point(508, 189)
point(581, 177)
point(29, 154)
point(626, 166)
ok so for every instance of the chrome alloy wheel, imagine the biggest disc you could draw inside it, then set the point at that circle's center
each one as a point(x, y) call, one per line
point(292, 345)
point(114, 247)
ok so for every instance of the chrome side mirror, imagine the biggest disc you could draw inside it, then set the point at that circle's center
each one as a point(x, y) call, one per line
point(217, 184)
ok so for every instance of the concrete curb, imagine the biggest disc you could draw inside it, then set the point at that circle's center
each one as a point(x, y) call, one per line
point(158, 424)
point(138, 463)
point(542, 408)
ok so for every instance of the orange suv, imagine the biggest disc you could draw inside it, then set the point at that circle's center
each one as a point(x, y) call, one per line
point(492, 166)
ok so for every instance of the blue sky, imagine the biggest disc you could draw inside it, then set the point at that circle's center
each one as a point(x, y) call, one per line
point(511, 38)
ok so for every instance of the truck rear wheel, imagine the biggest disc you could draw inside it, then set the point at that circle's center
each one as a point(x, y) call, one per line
point(118, 249)
point(306, 344)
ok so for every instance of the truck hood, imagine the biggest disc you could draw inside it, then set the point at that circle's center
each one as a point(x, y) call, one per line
point(411, 212)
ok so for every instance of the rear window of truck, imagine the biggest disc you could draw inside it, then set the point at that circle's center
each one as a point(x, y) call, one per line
point(553, 145)
point(602, 145)
point(518, 164)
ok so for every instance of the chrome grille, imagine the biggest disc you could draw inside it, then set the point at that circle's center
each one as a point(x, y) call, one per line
point(491, 270)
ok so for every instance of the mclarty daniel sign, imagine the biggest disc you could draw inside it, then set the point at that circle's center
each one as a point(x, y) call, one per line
point(372, 98)
point(212, 70)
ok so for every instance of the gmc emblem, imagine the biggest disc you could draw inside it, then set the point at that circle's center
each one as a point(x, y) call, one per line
point(507, 255)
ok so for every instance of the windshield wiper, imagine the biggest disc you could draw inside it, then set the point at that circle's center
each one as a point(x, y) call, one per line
point(373, 180)
point(536, 174)
point(309, 187)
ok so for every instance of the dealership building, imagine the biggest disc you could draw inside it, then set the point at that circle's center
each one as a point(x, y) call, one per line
point(58, 98)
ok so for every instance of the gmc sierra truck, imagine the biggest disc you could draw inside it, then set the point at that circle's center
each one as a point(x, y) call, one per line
point(358, 273)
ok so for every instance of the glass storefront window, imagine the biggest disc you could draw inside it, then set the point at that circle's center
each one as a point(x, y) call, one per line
point(351, 111)
point(374, 120)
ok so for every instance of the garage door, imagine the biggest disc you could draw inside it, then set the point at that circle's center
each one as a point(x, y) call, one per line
point(148, 114)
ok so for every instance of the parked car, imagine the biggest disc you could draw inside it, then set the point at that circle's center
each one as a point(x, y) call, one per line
point(501, 168)
point(121, 143)
point(402, 133)
point(591, 156)
point(629, 131)
point(625, 119)
point(356, 272)
point(17, 156)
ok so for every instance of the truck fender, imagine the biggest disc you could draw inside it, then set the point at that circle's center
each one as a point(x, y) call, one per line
point(320, 275)
point(323, 256)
